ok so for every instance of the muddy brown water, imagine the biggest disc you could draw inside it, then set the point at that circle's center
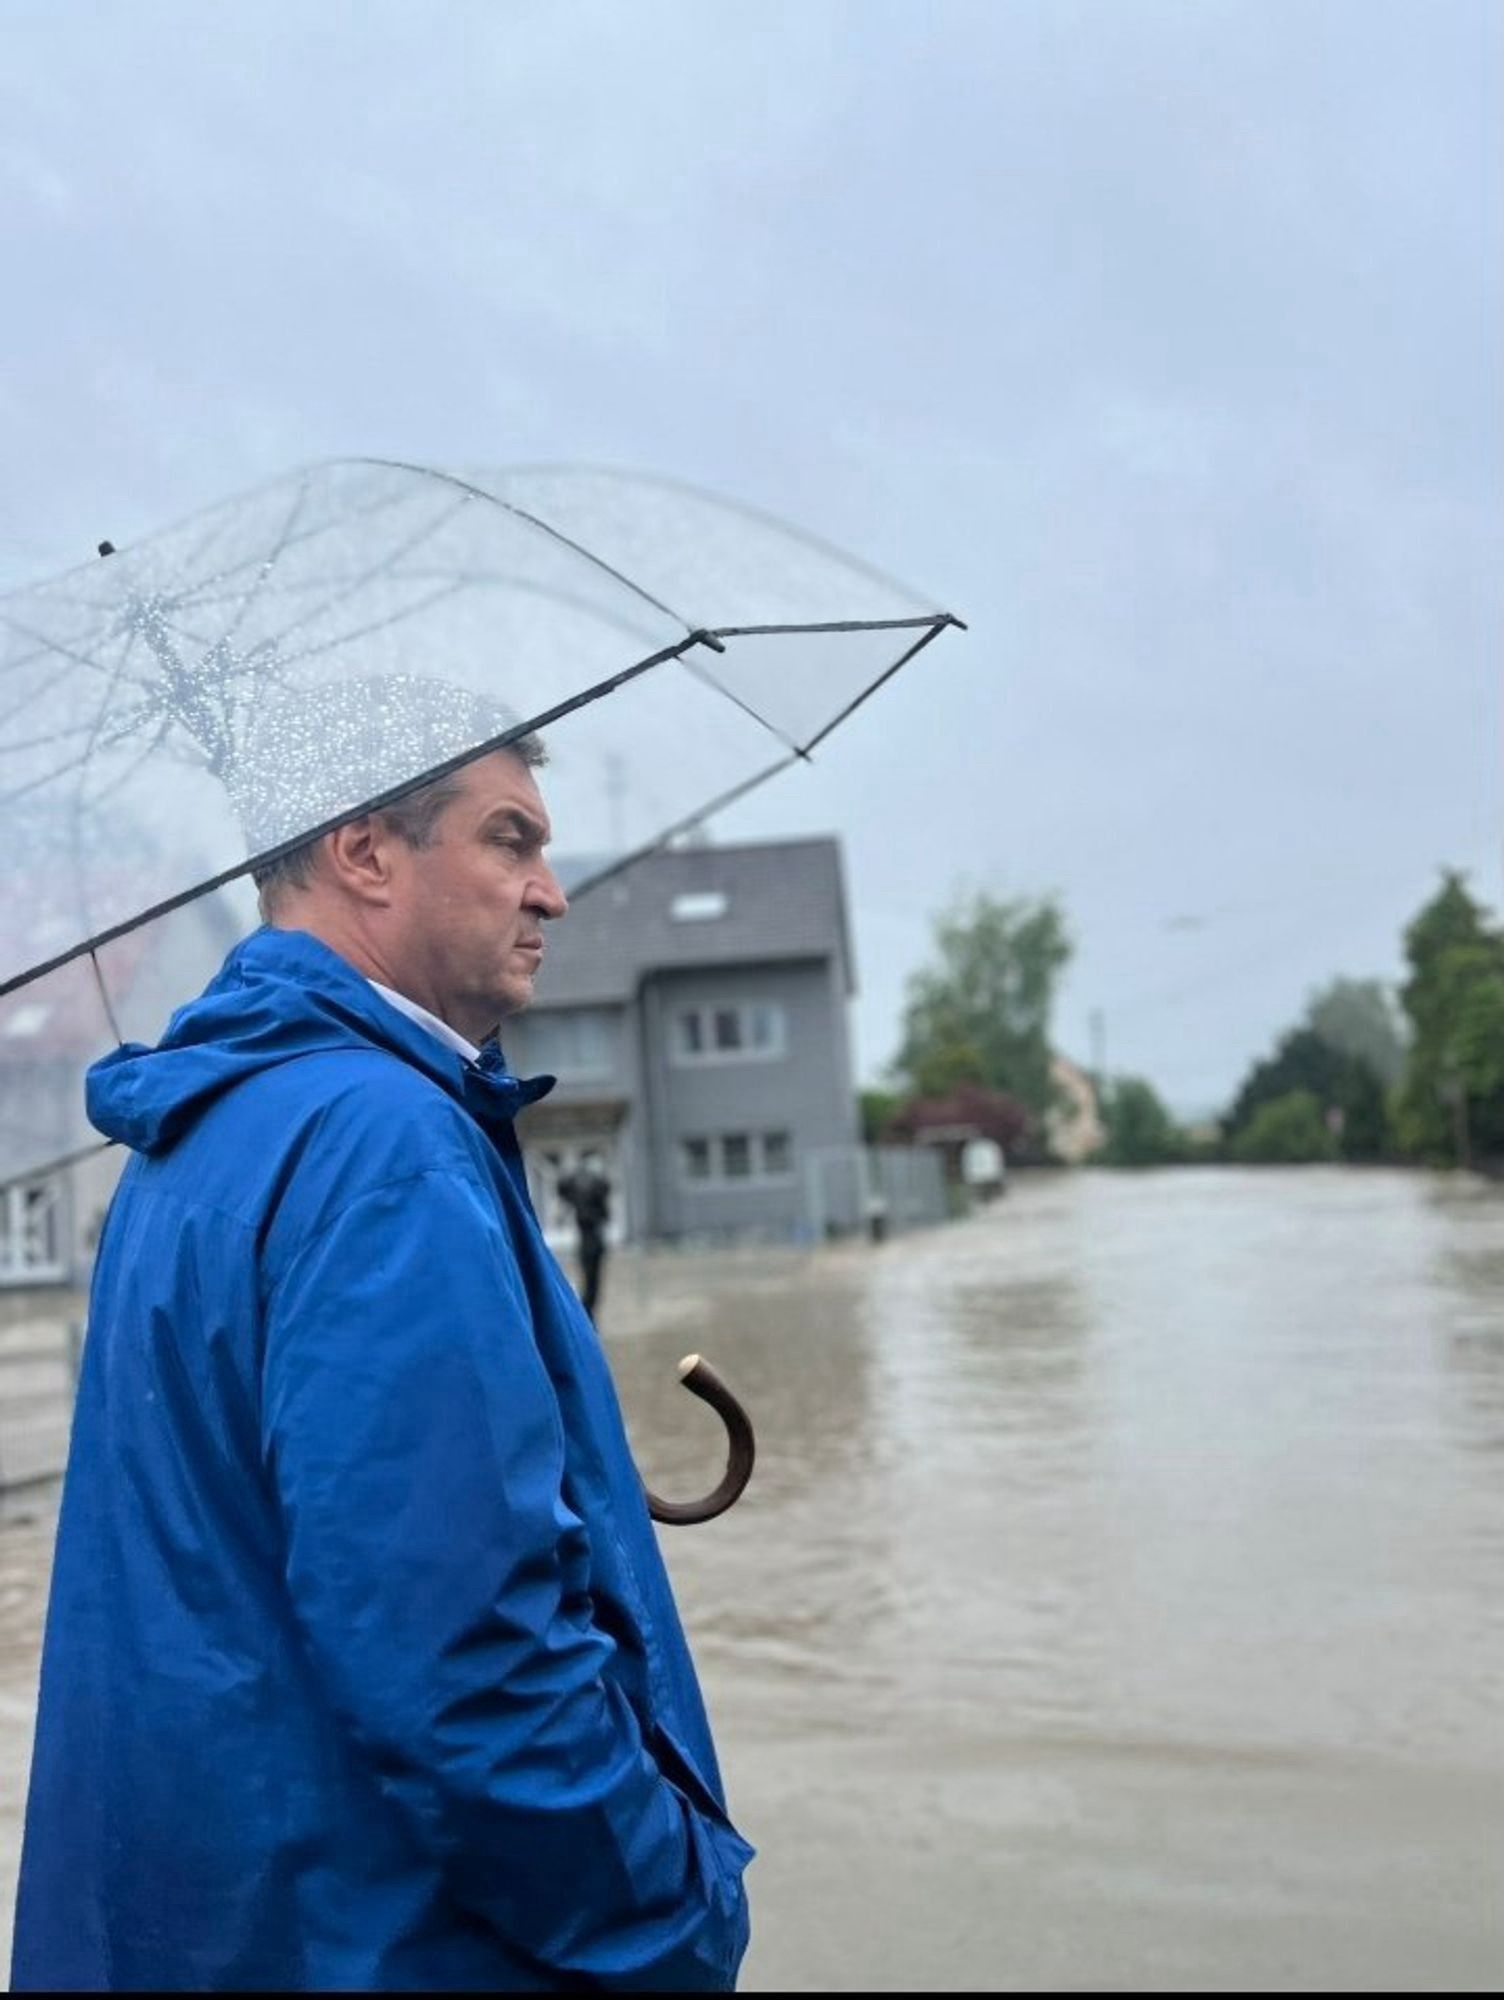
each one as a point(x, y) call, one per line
point(1119, 1599)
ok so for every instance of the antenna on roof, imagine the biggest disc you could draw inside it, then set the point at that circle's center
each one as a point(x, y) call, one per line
point(616, 789)
point(106, 548)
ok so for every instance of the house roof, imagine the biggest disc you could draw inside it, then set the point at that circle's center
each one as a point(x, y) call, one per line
point(784, 899)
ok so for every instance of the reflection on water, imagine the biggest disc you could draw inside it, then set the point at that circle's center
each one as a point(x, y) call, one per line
point(1469, 1269)
point(812, 1535)
point(1169, 1502)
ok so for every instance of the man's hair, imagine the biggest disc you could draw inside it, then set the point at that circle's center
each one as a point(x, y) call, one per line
point(414, 820)
point(309, 755)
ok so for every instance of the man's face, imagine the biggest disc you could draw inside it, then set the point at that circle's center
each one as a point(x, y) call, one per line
point(470, 907)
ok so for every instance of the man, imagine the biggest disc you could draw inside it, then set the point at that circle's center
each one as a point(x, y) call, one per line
point(362, 1668)
point(587, 1194)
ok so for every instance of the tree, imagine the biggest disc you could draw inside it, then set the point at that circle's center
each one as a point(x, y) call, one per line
point(1450, 1103)
point(1357, 1018)
point(877, 1107)
point(1140, 1132)
point(981, 1015)
point(1339, 1084)
point(1288, 1130)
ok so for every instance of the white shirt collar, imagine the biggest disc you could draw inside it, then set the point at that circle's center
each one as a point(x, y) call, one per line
point(440, 1030)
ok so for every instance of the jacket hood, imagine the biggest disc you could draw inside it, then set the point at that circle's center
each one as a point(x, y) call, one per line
point(279, 995)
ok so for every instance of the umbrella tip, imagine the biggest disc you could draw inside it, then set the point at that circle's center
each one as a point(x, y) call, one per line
point(106, 548)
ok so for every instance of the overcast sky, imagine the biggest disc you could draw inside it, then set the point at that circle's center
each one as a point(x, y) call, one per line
point(1161, 342)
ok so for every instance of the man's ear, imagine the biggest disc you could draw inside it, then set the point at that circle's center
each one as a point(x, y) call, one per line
point(358, 857)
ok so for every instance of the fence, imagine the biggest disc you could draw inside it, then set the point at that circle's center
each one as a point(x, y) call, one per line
point(873, 1188)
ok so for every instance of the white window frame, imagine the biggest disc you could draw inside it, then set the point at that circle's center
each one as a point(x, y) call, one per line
point(707, 1055)
point(718, 1180)
point(555, 1018)
point(699, 906)
point(27, 1257)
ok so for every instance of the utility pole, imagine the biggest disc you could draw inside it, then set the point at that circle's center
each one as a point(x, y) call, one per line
point(1460, 1128)
point(1453, 1093)
point(1098, 1020)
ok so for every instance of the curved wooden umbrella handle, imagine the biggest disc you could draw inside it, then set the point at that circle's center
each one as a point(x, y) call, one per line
point(701, 1380)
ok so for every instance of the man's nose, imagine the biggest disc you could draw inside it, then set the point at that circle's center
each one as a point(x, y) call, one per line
point(548, 898)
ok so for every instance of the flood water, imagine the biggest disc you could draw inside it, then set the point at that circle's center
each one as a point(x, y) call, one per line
point(1119, 1601)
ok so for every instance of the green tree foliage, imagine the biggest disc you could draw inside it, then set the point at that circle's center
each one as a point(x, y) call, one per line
point(1450, 1102)
point(981, 1013)
point(1305, 1062)
point(878, 1108)
point(1140, 1132)
point(1288, 1130)
point(1357, 1017)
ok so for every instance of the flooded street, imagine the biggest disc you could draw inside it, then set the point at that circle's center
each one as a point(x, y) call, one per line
point(1119, 1600)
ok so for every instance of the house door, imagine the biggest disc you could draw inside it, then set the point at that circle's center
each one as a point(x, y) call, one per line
point(550, 1160)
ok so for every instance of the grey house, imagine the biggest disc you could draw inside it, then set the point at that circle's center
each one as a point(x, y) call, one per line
point(694, 1012)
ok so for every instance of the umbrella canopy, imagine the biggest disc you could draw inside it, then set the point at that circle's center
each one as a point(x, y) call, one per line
point(183, 711)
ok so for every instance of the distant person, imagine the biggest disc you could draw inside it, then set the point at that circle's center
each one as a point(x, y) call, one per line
point(586, 1192)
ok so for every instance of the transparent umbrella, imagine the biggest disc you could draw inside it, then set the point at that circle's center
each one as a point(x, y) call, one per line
point(181, 712)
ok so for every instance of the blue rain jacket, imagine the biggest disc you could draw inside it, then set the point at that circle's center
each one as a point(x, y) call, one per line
point(362, 1668)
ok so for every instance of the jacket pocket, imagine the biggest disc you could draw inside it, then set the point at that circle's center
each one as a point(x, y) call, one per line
point(681, 1771)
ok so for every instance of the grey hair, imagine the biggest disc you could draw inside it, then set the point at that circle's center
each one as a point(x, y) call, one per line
point(414, 820)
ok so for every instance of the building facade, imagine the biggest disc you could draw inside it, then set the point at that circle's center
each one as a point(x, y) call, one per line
point(1074, 1125)
point(694, 1010)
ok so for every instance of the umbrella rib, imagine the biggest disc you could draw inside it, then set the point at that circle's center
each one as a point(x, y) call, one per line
point(81, 803)
point(866, 693)
point(56, 1166)
point(311, 533)
point(365, 631)
point(938, 619)
point(423, 534)
point(759, 516)
point(56, 646)
point(16, 661)
point(583, 888)
point(535, 521)
point(550, 592)
point(52, 736)
point(269, 562)
point(25, 791)
point(105, 1001)
point(124, 777)
point(388, 797)
point(49, 649)
point(708, 679)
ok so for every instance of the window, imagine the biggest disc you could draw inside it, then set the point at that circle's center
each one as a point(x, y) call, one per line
point(765, 1027)
point(573, 1041)
point(31, 1233)
point(736, 1158)
point(730, 1031)
point(27, 1019)
point(698, 906)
